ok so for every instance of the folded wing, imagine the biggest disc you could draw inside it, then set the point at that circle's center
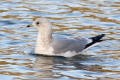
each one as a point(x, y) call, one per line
point(64, 45)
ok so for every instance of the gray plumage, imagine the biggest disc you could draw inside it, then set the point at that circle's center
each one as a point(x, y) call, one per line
point(64, 45)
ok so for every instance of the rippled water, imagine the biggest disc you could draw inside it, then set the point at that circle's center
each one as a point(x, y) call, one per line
point(70, 18)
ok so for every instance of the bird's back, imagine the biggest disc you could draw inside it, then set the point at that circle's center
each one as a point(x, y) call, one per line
point(64, 45)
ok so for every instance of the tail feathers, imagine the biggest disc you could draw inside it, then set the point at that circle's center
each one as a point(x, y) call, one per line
point(95, 40)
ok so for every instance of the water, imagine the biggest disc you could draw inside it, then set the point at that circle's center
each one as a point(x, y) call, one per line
point(70, 18)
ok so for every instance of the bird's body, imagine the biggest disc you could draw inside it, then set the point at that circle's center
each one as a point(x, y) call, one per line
point(48, 45)
point(63, 47)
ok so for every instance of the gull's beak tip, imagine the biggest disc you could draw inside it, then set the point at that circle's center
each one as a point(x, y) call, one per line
point(28, 26)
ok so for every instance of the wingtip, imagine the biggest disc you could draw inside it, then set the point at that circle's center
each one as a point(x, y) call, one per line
point(98, 38)
point(103, 35)
point(95, 40)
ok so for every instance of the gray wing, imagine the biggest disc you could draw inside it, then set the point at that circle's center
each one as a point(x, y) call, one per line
point(64, 45)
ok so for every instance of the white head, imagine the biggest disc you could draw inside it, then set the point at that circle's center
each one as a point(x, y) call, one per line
point(42, 24)
point(44, 29)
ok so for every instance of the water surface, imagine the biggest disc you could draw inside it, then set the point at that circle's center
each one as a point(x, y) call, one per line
point(70, 18)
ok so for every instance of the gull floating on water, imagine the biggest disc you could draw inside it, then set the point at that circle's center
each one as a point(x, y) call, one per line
point(47, 45)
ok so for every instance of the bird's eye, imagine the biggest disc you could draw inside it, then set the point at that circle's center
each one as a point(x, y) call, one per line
point(37, 23)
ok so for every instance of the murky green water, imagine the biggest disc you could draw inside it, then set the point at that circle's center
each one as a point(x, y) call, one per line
point(70, 18)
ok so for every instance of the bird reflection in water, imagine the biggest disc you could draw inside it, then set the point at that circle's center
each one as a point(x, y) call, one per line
point(51, 67)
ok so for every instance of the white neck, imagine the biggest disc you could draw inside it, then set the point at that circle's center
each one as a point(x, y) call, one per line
point(43, 41)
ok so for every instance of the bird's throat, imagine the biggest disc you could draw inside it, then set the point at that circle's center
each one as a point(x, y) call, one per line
point(43, 41)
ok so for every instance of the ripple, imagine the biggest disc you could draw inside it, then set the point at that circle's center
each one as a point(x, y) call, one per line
point(70, 18)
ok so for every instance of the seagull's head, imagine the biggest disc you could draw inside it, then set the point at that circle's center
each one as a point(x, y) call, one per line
point(42, 24)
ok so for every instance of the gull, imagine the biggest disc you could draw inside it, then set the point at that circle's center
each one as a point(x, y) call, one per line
point(47, 45)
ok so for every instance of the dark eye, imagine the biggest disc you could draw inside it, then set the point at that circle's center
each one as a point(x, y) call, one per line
point(37, 23)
